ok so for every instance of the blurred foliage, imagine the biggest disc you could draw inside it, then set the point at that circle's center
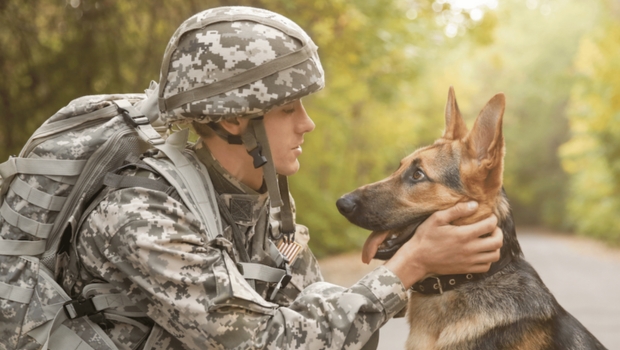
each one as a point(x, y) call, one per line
point(388, 67)
point(592, 155)
point(530, 60)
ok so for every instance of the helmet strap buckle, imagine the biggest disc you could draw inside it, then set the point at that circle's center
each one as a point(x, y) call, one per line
point(257, 156)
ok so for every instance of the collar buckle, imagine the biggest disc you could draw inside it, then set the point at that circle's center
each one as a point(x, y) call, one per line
point(438, 284)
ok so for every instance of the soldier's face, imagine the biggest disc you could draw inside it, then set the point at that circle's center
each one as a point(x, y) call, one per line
point(286, 126)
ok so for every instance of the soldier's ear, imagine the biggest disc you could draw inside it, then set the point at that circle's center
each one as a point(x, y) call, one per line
point(235, 126)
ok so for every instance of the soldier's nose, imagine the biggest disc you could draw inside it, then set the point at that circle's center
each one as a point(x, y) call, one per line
point(346, 205)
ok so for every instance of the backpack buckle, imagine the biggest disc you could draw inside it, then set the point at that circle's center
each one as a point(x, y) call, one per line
point(283, 281)
point(78, 308)
point(133, 117)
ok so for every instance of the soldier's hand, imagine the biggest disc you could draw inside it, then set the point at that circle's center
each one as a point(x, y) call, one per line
point(441, 248)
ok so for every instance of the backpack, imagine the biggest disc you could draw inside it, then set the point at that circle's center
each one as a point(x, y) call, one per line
point(45, 193)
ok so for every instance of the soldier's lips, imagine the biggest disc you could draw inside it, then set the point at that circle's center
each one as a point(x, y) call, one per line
point(384, 244)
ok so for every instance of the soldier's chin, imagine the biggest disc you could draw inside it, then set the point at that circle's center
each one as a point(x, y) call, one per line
point(288, 169)
point(383, 245)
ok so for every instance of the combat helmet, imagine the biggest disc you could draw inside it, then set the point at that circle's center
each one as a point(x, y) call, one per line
point(239, 61)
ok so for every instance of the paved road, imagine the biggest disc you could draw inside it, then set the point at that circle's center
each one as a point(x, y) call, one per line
point(583, 275)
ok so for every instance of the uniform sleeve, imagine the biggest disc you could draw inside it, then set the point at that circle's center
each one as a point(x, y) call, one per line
point(150, 245)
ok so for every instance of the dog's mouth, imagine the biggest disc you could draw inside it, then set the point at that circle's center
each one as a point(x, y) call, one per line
point(383, 245)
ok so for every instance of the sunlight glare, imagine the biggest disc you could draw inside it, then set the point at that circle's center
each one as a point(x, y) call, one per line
point(460, 15)
point(476, 14)
point(471, 4)
point(451, 30)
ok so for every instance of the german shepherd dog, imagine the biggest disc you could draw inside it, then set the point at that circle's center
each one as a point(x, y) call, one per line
point(509, 307)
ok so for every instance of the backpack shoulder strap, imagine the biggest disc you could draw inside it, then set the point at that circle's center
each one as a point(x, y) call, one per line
point(184, 175)
point(181, 170)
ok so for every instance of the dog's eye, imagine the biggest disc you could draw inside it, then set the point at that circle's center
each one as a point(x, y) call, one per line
point(418, 175)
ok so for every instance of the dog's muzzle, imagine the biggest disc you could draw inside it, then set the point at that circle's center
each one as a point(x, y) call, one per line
point(390, 246)
point(350, 207)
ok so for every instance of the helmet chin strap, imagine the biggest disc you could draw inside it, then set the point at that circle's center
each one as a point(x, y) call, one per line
point(287, 224)
point(254, 138)
point(256, 142)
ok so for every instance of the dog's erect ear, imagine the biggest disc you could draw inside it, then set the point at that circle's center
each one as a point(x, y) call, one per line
point(455, 125)
point(486, 138)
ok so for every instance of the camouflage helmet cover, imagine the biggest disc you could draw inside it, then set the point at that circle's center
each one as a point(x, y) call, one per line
point(236, 62)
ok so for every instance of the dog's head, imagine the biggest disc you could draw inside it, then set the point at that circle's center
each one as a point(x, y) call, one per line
point(460, 166)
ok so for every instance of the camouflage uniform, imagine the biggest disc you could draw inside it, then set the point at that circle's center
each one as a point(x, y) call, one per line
point(148, 245)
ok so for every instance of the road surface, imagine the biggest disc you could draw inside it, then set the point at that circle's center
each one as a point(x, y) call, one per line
point(583, 274)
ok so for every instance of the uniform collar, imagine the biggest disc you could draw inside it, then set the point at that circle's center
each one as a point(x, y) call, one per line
point(244, 203)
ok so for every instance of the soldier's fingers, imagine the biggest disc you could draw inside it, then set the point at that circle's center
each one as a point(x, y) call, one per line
point(444, 217)
point(479, 268)
point(492, 243)
point(479, 228)
point(486, 257)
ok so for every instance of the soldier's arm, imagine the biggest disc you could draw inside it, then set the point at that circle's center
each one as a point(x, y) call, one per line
point(151, 246)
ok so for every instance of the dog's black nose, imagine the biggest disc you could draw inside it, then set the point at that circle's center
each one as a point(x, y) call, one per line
point(345, 205)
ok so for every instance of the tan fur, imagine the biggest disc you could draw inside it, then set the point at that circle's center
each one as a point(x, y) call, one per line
point(534, 339)
point(436, 322)
point(432, 319)
point(511, 305)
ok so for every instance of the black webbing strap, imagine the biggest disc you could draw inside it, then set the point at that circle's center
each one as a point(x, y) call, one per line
point(237, 235)
point(114, 180)
point(286, 212)
point(225, 135)
point(119, 181)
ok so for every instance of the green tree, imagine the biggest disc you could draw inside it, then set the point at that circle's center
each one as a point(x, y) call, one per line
point(53, 52)
point(592, 155)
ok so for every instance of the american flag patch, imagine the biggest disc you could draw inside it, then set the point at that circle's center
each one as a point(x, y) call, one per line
point(290, 250)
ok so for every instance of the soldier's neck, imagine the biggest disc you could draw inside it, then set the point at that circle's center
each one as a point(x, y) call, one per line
point(236, 160)
point(223, 180)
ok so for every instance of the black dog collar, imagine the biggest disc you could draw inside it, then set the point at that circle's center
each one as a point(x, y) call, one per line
point(444, 283)
point(440, 284)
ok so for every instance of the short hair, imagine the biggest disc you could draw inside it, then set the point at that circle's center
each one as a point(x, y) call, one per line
point(203, 130)
point(206, 130)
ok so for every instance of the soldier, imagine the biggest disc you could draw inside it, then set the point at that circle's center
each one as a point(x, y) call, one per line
point(238, 75)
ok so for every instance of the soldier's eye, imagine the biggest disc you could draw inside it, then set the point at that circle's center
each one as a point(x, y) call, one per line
point(418, 175)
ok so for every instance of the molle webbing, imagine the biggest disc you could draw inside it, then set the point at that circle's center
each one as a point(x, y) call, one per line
point(237, 234)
